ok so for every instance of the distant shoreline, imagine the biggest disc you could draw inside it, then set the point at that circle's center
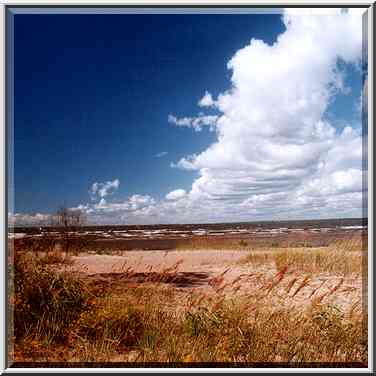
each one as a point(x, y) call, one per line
point(304, 223)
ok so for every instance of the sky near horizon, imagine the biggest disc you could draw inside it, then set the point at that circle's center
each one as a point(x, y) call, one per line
point(139, 119)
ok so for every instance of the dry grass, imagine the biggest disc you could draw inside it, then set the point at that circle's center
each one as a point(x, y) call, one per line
point(335, 259)
point(310, 261)
point(54, 257)
point(59, 317)
point(354, 244)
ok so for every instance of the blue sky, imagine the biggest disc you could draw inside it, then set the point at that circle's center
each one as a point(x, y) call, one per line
point(93, 95)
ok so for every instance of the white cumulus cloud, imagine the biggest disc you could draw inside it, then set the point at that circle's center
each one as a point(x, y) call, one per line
point(274, 143)
point(176, 194)
point(21, 219)
point(101, 190)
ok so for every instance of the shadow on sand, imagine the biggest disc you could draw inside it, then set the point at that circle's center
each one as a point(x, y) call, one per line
point(178, 279)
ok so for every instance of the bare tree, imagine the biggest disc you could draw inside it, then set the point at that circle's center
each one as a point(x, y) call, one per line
point(68, 221)
point(69, 218)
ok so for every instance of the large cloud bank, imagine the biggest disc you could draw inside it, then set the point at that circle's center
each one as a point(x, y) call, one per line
point(276, 156)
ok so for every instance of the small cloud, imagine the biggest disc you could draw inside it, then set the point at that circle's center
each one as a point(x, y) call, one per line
point(185, 163)
point(195, 122)
point(101, 190)
point(206, 100)
point(161, 154)
point(29, 219)
point(177, 194)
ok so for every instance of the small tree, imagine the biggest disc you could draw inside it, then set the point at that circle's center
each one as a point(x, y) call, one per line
point(68, 221)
